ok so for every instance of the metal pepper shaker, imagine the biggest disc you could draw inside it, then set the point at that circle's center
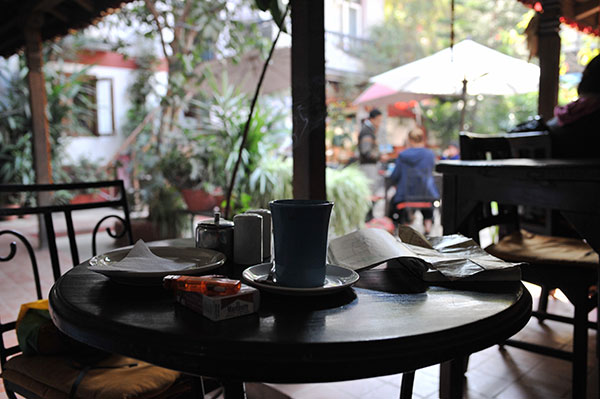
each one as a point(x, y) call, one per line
point(216, 234)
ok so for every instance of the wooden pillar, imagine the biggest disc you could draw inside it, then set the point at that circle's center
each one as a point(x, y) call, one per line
point(308, 98)
point(549, 55)
point(40, 139)
point(37, 100)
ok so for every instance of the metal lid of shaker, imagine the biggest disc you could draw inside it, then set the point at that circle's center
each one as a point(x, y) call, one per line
point(216, 223)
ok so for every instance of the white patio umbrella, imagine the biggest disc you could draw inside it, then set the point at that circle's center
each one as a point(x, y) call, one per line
point(469, 68)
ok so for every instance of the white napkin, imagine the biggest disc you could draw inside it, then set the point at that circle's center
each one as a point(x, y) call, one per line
point(141, 260)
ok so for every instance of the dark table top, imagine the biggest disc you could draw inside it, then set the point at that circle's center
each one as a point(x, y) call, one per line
point(559, 168)
point(571, 186)
point(356, 333)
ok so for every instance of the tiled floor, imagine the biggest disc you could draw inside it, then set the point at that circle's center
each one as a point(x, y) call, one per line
point(506, 373)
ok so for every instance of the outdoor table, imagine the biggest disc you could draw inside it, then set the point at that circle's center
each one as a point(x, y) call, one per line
point(569, 186)
point(356, 333)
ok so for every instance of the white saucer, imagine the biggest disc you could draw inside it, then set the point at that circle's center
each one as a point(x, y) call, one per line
point(203, 259)
point(336, 278)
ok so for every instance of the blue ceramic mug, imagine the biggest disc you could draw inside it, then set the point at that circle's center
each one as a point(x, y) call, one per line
point(300, 230)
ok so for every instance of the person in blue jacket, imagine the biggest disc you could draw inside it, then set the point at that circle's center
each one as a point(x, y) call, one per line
point(413, 176)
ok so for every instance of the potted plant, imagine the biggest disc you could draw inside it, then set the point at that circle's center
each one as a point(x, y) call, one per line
point(9, 201)
point(165, 217)
point(165, 212)
point(85, 170)
point(185, 172)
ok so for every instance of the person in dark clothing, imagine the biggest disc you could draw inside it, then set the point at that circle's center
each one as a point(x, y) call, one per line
point(413, 175)
point(575, 128)
point(368, 149)
point(368, 153)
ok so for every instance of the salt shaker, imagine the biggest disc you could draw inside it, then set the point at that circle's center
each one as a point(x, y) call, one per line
point(247, 239)
point(266, 229)
point(216, 234)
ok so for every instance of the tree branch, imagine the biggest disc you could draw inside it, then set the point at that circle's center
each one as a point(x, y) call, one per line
point(253, 104)
point(190, 37)
point(177, 34)
point(156, 16)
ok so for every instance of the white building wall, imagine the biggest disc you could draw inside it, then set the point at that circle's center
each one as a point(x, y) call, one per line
point(102, 148)
point(373, 14)
point(333, 15)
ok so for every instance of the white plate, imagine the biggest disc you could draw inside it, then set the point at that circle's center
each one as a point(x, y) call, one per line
point(204, 259)
point(336, 278)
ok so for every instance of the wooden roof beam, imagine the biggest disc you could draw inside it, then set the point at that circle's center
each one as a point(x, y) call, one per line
point(583, 13)
point(10, 25)
point(87, 4)
point(8, 43)
point(58, 15)
point(47, 5)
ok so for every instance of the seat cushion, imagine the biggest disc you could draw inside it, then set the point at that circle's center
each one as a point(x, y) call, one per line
point(52, 377)
point(414, 204)
point(523, 246)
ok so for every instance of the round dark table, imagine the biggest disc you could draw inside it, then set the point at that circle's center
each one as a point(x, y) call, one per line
point(356, 333)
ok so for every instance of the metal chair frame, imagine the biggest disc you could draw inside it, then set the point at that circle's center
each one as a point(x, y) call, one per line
point(46, 212)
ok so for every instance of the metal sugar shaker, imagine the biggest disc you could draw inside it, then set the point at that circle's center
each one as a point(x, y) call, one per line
point(216, 234)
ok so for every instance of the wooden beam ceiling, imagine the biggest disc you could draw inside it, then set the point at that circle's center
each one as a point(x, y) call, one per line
point(60, 17)
point(585, 10)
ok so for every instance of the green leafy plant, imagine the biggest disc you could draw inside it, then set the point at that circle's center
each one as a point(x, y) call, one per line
point(223, 115)
point(16, 166)
point(84, 170)
point(16, 157)
point(187, 32)
point(177, 169)
point(348, 188)
point(271, 180)
point(165, 211)
point(192, 144)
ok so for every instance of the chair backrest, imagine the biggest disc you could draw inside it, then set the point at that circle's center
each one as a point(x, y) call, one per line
point(474, 146)
point(537, 145)
point(109, 194)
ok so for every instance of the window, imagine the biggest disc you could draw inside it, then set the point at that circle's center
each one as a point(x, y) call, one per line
point(104, 107)
point(353, 21)
point(93, 111)
point(351, 18)
point(350, 22)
